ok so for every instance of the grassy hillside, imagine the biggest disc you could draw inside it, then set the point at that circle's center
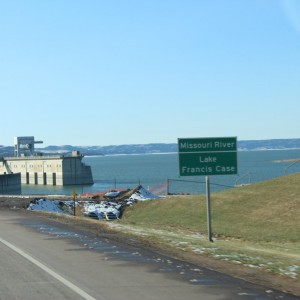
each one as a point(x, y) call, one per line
point(266, 211)
point(256, 226)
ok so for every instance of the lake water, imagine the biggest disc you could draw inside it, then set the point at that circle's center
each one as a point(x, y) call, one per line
point(160, 172)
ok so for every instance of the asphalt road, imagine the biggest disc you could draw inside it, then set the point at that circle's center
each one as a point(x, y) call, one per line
point(43, 260)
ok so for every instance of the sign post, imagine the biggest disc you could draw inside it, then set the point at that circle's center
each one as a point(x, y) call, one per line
point(74, 202)
point(205, 157)
point(209, 233)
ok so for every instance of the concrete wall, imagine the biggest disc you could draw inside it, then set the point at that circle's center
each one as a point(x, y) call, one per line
point(49, 170)
point(10, 184)
point(76, 172)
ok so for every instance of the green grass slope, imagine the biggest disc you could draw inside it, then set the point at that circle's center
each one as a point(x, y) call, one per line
point(266, 211)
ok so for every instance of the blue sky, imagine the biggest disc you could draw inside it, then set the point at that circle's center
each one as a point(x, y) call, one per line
point(149, 71)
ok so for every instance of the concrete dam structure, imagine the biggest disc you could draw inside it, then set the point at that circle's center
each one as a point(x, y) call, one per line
point(45, 169)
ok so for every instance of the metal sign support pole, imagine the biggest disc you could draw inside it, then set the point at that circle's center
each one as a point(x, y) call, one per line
point(74, 201)
point(209, 233)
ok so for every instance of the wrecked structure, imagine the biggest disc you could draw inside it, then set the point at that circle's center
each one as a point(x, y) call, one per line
point(106, 205)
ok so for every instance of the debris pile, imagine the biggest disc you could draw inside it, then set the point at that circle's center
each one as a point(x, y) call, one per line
point(141, 194)
point(105, 210)
point(107, 205)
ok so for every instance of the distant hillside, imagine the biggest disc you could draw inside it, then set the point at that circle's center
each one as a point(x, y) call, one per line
point(115, 149)
point(250, 145)
point(276, 144)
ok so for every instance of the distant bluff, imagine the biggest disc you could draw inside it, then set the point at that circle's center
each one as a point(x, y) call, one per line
point(248, 145)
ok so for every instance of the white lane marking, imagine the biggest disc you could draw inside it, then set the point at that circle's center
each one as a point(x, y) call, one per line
point(66, 282)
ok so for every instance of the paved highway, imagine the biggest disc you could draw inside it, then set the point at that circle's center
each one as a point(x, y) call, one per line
point(42, 260)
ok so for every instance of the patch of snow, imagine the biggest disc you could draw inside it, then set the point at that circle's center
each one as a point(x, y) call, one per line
point(291, 271)
point(142, 194)
point(47, 205)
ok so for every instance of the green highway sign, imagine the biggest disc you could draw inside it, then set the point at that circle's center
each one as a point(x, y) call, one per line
point(207, 156)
